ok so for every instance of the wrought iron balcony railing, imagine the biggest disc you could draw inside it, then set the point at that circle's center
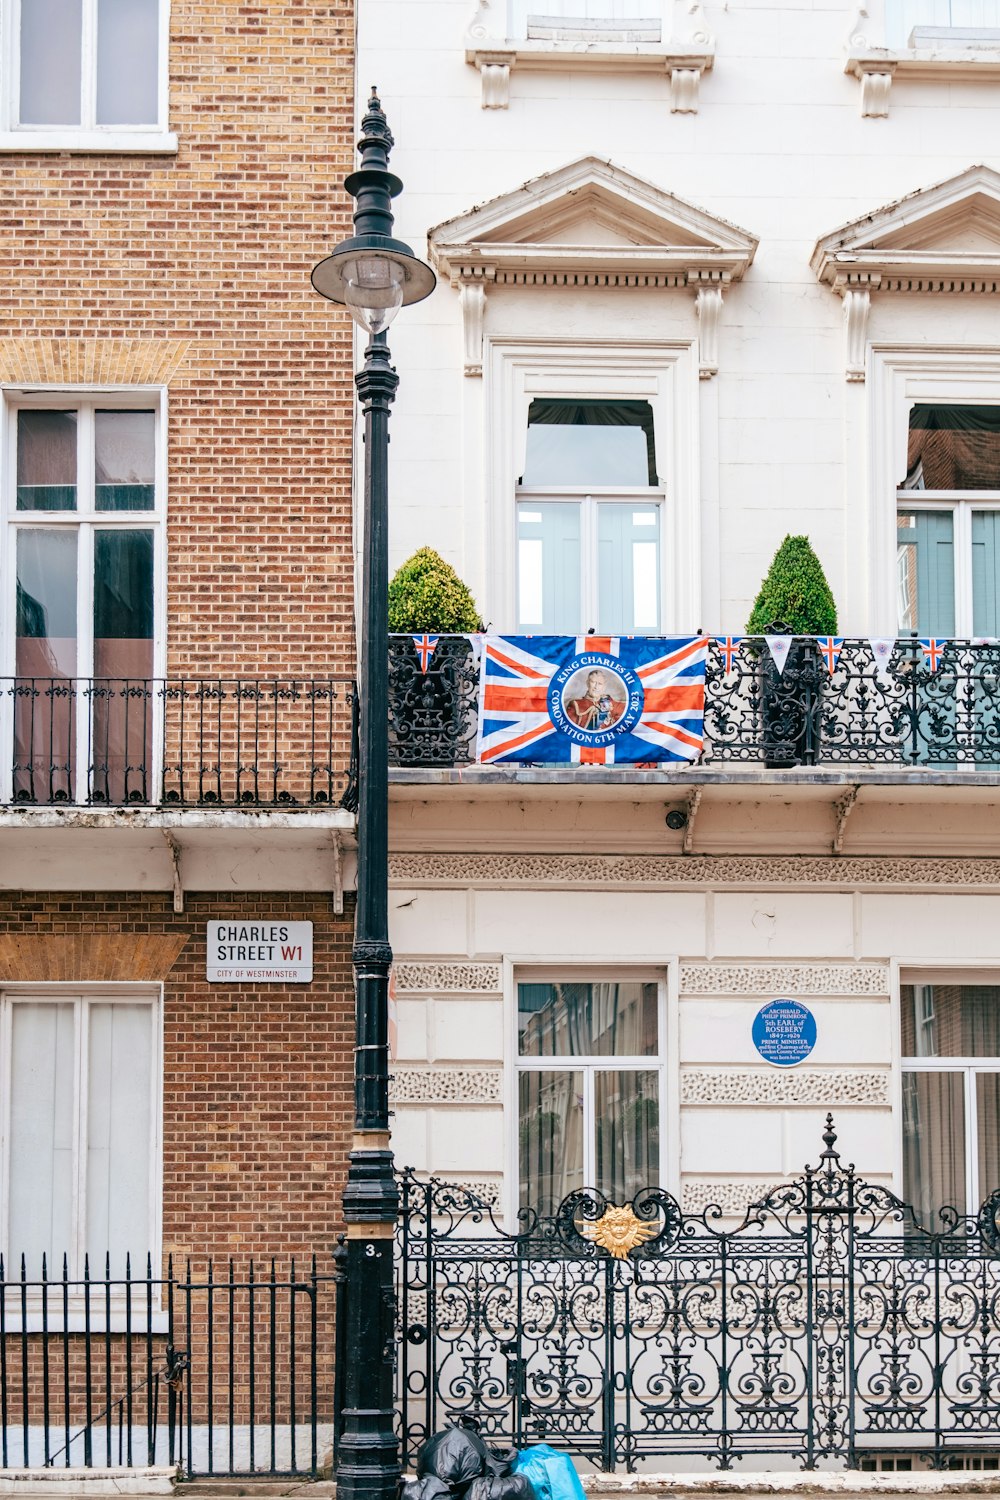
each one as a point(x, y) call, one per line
point(915, 709)
point(180, 742)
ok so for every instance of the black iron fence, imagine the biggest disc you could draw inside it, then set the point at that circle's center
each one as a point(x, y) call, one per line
point(839, 707)
point(827, 1327)
point(185, 742)
point(229, 1371)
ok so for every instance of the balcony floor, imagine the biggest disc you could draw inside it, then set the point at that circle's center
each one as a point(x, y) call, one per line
point(45, 848)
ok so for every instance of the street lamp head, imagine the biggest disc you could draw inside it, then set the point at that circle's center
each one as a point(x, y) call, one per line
point(372, 274)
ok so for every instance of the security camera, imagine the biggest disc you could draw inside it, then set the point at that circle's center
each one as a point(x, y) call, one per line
point(676, 819)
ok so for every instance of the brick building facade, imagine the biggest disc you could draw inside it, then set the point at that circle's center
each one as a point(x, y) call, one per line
point(176, 654)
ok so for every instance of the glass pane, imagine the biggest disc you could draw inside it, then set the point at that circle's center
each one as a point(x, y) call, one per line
point(121, 731)
point(588, 444)
point(601, 1019)
point(119, 1123)
point(123, 603)
point(953, 448)
point(951, 1020)
point(51, 33)
point(46, 460)
point(550, 1138)
point(45, 657)
point(627, 1128)
point(41, 1135)
point(933, 1143)
point(46, 603)
point(127, 66)
point(925, 572)
point(125, 451)
point(986, 572)
point(988, 1131)
point(548, 569)
point(628, 564)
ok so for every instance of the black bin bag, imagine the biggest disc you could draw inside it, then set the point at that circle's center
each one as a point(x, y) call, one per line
point(501, 1487)
point(456, 1456)
point(427, 1488)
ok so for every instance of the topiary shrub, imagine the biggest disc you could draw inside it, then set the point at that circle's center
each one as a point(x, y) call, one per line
point(427, 595)
point(794, 593)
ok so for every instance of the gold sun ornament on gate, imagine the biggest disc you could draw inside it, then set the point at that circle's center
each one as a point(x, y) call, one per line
point(619, 1231)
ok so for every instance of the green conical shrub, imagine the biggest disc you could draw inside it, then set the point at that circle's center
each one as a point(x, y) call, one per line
point(426, 594)
point(795, 593)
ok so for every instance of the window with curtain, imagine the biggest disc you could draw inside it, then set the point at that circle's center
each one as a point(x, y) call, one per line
point(80, 1087)
point(948, 523)
point(589, 520)
point(84, 522)
point(85, 65)
point(951, 1096)
point(590, 1082)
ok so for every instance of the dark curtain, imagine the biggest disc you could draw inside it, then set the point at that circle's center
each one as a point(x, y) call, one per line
point(562, 413)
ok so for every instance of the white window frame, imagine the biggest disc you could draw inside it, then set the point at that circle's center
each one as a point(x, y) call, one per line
point(535, 969)
point(153, 137)
point(906, 970)
point(109, 993)
point(901, 379)
point(85, 519)
point(588, 502)
point(665, 375)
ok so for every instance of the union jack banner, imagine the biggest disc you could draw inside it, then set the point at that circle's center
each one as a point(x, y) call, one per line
point(591, 700)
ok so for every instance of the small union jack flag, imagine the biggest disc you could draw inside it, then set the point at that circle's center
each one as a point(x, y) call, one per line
point(829, 649)
point(425, 648)
point(729, 650)
point(933, 650)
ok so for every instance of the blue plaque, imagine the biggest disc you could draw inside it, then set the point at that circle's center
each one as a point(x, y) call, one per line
point(784, 1032)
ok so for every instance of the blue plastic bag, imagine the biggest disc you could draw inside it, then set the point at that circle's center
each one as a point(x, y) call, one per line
point(552, 1474)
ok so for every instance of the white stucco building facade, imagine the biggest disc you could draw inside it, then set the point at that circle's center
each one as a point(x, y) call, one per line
point(773, 230)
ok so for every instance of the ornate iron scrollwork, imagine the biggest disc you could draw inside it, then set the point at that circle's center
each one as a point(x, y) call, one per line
point(827, 1322)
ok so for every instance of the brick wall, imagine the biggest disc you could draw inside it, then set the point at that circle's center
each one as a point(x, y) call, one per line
point(194, 270)
point(257, 1096)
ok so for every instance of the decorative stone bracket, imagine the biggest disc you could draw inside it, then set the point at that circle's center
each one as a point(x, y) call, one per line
point(856, 291)
point(875, 75)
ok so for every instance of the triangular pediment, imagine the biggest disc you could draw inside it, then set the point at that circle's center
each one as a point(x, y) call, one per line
point(949, 232)
point(590, 216)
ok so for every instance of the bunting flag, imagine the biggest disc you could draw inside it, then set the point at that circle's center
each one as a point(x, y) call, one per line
point(729, 650)
point(882, 648)
point(591, 700)
point(829, 649)
point(779, 647)
point(933, 650)
point(425, 648)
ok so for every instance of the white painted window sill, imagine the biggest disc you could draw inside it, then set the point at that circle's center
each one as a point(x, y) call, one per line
point(875, 68)
point(137, 142)
point(76, 1322)
point(683, 64)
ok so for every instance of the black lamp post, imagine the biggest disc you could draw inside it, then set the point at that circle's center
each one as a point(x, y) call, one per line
point(373, 275)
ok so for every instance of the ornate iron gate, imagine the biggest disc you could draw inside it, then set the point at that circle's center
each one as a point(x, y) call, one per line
point(828, 1325)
